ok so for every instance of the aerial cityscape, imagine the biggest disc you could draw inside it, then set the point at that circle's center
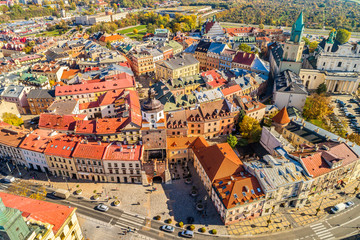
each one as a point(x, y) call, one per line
point(179, 119)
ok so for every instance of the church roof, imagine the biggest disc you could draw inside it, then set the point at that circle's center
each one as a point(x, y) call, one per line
point(282, 117)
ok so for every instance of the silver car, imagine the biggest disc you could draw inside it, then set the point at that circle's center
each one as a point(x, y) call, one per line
point(102, 207)
point(167, 228)
point(187, 234)
point(349, 204)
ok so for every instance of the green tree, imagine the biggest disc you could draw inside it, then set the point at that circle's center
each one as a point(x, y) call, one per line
point(321, 88)
point(115, 7)
point(73, 6)
point(313, 45)
point(245, 48)
point(317, 107)
point(135, 31)
point(343, 36)
point(108, 44)
point(306, 40)
point(12, 119)
point(177, 28)
point(150, 28)
point(250, 129)
point(261, 26)
point(232, 140)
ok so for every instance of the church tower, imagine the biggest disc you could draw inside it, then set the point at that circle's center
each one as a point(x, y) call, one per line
point(12, 224)
point(292, 56)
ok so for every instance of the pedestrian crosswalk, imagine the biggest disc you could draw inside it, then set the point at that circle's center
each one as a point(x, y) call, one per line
point(322, 232)
point(128, 220)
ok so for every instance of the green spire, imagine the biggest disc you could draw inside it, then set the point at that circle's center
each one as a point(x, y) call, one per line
point(297, 29)
point(214, 18)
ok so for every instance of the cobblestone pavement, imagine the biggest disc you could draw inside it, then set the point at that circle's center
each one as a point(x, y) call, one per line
point(292, 218)
point(175, 201)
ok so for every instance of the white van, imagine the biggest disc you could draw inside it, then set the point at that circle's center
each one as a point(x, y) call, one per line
point(9, 179)
point(338, 208)
point(61, 193)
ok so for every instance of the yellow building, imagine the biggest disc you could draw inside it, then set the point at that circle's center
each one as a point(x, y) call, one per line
point(41, 221)
point(178, 149)
point(183, 66)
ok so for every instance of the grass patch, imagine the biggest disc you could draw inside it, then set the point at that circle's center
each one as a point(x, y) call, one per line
point(140, 28)
point(53, 33)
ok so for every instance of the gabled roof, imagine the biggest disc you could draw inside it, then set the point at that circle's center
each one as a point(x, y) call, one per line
point(244, 58)
point(179, 142)
point(317, 164)
point(46, 212)
point(238, 189)
point(123, 80)
point(60, 122)
point(90, 150)
point(41, 93)
point(219, 161)
point(62, 146)
point(38, 140)
point(120, 152)
point(282, 117)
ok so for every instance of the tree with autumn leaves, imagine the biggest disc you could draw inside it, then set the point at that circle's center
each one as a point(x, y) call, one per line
point(250, 129)
point(317, 107)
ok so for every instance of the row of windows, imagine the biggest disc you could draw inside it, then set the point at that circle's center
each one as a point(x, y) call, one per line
point(123, 165)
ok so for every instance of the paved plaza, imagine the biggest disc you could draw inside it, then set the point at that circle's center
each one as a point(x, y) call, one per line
point(175, 201)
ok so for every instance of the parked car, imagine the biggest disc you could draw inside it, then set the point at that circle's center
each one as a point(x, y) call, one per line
point(350, 116)
point(349, 106)
point(338, 208)
point(349, 204)
point(9, 179)
point(167, 228)
point(102, 207)
point(187, 234)
point(358, 195)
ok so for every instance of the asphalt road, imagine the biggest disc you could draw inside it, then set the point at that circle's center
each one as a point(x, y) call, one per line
point(338, 226)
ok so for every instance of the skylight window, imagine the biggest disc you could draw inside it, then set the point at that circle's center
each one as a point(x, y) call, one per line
point(227, 193)
point(258, 189)
point(244, 193)
point(235, 196)
point(252, 191)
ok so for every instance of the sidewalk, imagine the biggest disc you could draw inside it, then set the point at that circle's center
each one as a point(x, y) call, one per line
point(171, 201)
point(293, 218)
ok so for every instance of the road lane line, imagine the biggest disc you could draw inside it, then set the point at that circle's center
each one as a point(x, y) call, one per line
point(326, 236)
point(316, 224)
point(318, 227)
point(321, 232)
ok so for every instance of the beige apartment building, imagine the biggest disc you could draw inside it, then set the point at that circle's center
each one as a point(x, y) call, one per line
point(182, 66)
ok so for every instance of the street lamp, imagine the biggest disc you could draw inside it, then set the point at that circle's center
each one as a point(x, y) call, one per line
point(318, 209)
point(66, 183)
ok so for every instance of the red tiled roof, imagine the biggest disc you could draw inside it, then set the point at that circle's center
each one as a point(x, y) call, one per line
point(316, 164)
point(180, 142)
point(46, 212)
point(111, 38)
point(67, 74)
point(62, 146)
point(237, 31)
point(282, 117)
point(231, 90)
point(246, 187)
point(100, 126)
point(60, 122)
point(248, 104)
point(38, 140)
point(219, 161)
point(123, 80)
point(244, 58)
point(217, 81)
point(88, 105)
point(91, 150)
point(123, 152)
